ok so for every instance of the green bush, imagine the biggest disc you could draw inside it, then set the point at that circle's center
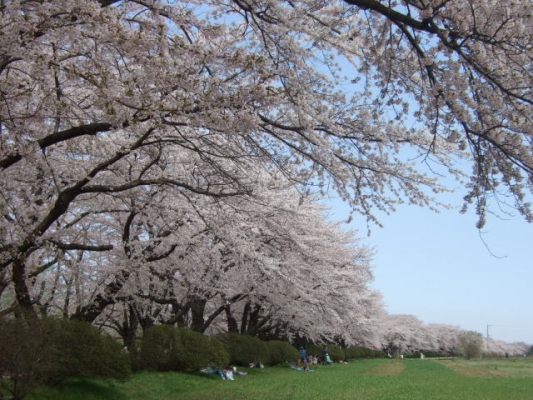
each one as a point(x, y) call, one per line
point(244, 349)
point(84, 351)
point(314, 350)
point(24, 360)
point(362, 352)
point(200, 351)
point(336, 353)
point(161, 348)
point(54, 350)
point(281, 352)
point(166, 348)
point(356, 352)
point(470, 344)
point(433, 353)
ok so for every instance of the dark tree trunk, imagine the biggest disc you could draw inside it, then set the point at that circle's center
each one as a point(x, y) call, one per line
point(131, 324)
point(197, 314)
point(232, 322)
point(22, 292)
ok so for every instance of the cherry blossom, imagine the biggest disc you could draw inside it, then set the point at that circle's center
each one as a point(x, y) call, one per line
point(128, 129)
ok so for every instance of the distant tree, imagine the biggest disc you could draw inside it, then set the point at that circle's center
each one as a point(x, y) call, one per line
point(470, 344)
point(443, 338)
point(501, 348)
point(401, 333)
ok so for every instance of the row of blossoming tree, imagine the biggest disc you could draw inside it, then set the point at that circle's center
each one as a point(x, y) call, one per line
point(159, 159)
point(406, 334)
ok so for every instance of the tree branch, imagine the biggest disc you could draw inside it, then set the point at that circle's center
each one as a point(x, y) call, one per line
point(162, 181)
point(107, 3)
point(81, 246)
point(393, 15)
point(57, 137)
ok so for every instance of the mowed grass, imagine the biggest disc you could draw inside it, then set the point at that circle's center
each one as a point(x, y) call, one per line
point(368, 379)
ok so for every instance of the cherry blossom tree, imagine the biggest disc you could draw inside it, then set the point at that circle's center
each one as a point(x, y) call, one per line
point(443, 338)
point(268, 265)
point(401, 333)
point(113, 114)
point(467, 67)
point(504, 349)
point(275, 269)
point(406, 333)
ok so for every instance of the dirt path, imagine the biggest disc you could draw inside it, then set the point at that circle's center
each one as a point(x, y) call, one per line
point(392, 368)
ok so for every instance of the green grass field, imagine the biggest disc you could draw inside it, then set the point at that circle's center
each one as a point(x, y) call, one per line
point(367, 379)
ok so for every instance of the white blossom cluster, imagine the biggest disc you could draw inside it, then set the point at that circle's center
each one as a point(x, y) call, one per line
point(151, 151)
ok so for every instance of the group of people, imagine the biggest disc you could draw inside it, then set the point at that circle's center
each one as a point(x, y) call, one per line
point(227, 373)
point(305, 360)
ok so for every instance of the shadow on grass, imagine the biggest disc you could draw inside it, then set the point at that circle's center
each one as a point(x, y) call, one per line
point(83, 389)
point(198, 374)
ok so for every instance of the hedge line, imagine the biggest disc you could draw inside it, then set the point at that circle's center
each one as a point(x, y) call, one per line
point(54, 350)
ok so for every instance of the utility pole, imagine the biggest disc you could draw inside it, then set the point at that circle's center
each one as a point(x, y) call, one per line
point(488, 337)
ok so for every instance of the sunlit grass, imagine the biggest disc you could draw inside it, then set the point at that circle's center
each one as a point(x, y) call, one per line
point(368, 379)
point(516, 367)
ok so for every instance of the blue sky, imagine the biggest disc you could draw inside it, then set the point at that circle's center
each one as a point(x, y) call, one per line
point(437, 267)
point(440, 268)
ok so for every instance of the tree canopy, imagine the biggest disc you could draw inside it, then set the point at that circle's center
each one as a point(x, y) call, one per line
point(148, 144)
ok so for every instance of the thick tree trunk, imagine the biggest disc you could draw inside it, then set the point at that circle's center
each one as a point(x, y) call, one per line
point(22, 292)
point(131, 323)
point(232, 322)
point(244, 319)
point(197, 314)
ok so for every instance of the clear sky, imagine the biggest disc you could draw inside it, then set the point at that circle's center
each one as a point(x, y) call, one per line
point(438, 268)
point(442, 269)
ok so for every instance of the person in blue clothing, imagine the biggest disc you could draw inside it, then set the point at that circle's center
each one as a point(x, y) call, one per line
point(303, 359)
point(303, 355)
point(325, 356)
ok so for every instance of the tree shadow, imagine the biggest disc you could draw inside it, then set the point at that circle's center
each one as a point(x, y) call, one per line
point(87, 389)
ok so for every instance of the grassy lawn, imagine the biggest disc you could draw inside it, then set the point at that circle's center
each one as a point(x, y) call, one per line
point(368, 379)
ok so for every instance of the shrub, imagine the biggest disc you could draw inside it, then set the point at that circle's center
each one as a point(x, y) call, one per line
point(336, 353)
point(200, 351)
point(24, 361)
point(166, 348)
point(470, 344)
point(84, 351)
point(314, 350)
point(435, 353)
point(494, 355)
point(160, 349)
point(244, 349)
point(281, 352)
point(360, 352)
point(364, 352)
point(54, 350)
